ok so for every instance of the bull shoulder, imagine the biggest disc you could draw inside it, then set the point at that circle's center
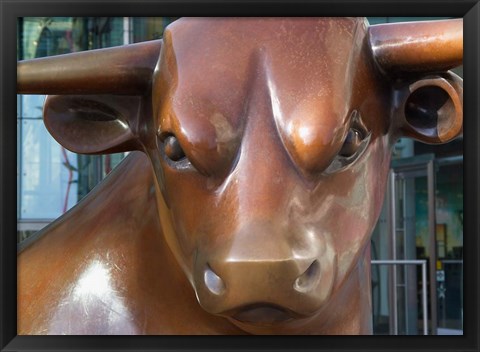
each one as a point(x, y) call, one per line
point(82, 264)
point(104, 268)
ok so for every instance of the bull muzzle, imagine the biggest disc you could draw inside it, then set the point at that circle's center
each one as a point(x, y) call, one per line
point(260, 278)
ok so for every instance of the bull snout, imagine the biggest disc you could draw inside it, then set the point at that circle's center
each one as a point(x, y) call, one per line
point(266, 274)
point(265, 281)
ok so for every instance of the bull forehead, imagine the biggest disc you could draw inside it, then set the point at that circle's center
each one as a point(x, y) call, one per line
point(214, 67)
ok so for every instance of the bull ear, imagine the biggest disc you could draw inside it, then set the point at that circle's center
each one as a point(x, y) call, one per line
point(94, 124)
point(103, 96)
point(428, 100)
point(430, 109)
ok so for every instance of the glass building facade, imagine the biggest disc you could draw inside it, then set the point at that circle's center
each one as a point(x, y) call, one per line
point(420, 229)
point(51, 179)
point(417, 245)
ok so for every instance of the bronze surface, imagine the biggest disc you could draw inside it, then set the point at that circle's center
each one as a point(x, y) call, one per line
point(261, 149)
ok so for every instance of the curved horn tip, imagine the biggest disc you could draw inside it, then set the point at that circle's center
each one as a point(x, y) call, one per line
point(124, 69)
point(417, 46)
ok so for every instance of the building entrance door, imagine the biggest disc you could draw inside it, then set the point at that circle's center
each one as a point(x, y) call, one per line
point(412, 233)
point(422, 229)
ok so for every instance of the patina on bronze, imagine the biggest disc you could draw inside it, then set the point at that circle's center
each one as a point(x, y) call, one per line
point(260, 152)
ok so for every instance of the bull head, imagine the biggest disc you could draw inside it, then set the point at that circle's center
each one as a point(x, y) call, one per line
point(270, 144)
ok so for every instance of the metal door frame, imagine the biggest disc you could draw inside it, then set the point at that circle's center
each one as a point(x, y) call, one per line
point(418, 166)
point(423, 264)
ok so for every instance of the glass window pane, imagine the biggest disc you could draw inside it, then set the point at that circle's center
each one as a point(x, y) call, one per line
point(48, 178)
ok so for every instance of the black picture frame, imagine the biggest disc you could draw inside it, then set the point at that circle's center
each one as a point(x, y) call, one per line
point(11, 9)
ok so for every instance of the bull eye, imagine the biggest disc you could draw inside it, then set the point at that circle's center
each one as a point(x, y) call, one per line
point(172, 151)
point(355, 143)
point(352, 143)
point(172, 148)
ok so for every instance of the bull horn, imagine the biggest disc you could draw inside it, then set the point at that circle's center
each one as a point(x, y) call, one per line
point(425, 46)
point(119, 70)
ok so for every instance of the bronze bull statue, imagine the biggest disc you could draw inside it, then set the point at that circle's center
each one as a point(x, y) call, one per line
point(260, 152)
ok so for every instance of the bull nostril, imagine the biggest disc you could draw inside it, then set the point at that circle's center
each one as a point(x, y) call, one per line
point(308, 279)
point(213, 282)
